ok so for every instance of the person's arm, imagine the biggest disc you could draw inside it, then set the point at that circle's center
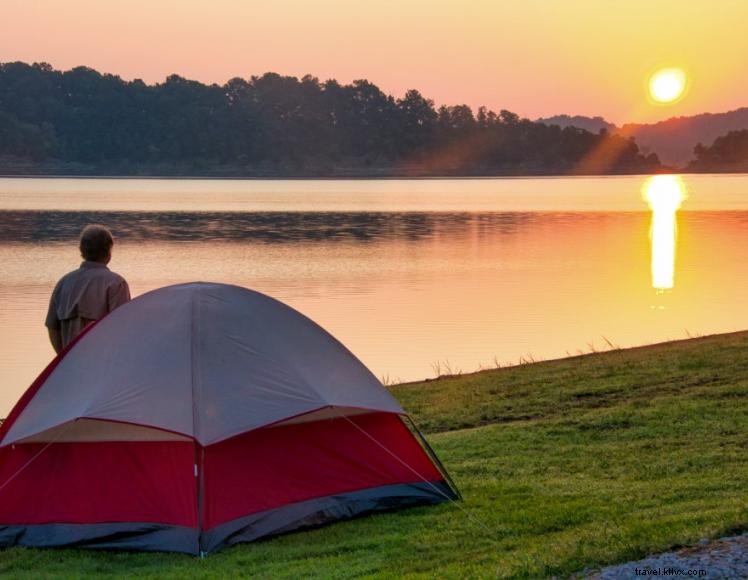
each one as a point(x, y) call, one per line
point(53, 322)
point(55, 337)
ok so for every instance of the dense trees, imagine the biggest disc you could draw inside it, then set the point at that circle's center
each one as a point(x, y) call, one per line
point(87, 122)
point(727, 153)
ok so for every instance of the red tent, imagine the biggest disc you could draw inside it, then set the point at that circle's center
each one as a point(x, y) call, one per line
point(202, 415)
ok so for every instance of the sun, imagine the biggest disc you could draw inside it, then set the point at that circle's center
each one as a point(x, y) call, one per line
point(667, 85)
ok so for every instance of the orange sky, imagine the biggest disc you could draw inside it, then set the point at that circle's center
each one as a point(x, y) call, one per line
point(534, 57)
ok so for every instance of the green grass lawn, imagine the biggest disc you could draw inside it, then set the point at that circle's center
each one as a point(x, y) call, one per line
point(563, 465)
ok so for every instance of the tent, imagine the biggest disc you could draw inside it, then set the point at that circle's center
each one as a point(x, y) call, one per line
point(198, 416)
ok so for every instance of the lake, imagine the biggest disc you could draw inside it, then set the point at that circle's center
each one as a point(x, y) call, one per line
point(416, 277)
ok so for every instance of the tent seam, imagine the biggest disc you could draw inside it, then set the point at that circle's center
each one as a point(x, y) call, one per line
point(194, 375)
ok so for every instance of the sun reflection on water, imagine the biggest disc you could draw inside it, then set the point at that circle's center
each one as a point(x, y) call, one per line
point(664, 193)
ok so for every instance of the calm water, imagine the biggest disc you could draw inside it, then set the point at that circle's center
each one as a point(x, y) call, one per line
point(413, 276)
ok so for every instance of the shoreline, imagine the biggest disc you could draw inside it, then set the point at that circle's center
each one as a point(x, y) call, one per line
point(643, 348)
point(357, 176)
point(341, 177)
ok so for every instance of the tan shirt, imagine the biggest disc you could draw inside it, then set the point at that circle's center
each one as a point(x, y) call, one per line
point(83, 296)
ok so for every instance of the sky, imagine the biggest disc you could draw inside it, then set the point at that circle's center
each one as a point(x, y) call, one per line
point(535, 58)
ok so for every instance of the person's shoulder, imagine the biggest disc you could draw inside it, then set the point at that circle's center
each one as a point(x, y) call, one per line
point(68, 277)
point(103, 276)
point(116, 278)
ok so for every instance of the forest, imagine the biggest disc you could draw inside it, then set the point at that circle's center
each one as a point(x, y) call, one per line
point(728, 153)
point(82, 122)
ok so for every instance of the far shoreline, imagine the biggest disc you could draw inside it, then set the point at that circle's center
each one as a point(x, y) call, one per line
point(359, 177)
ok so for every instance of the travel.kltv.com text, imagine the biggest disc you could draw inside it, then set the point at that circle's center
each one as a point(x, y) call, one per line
point(670, 571)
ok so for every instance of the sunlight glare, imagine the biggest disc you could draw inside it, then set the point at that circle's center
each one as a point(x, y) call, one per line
point(664, 193)
point(667, 85)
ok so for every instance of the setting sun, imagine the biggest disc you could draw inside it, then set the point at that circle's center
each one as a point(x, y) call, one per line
point(667, 85)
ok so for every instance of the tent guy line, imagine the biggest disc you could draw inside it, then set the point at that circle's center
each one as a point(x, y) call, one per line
point(454, 501)
point(34, 457)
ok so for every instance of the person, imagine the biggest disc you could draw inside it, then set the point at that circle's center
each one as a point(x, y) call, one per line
point(88, 293)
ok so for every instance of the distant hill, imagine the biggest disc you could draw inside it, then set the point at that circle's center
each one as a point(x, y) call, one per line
point(591, 124)
point(673, 140)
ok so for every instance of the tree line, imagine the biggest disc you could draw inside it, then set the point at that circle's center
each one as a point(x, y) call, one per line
point(82, 121)
point(728, 153)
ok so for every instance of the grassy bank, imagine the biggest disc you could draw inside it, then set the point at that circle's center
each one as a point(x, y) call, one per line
point(564, 465)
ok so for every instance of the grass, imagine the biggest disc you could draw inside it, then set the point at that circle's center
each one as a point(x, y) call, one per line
point(564, 466)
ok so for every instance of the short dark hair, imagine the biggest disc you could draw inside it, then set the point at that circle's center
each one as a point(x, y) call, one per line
point(96, 242)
